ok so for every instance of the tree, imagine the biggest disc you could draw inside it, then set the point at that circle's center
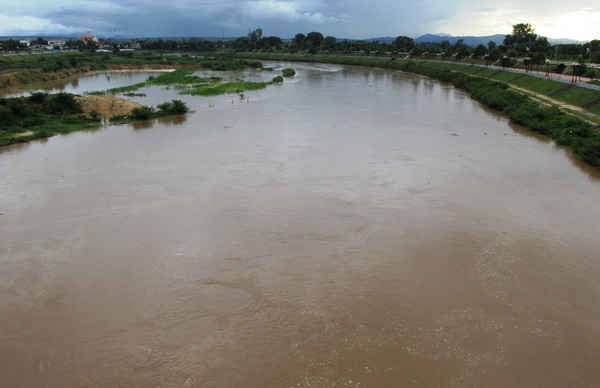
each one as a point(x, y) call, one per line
point(560, 68)
point(480, 51)
point(254, 37)
point(40, 41)
point(12, 45)
point(329, 43)
point(578, 71)
point(299, 41)
point(404, 43)
point(506, 61)
point(524, 40)
point(270, 42)
point(313, 40)
point(461, 49)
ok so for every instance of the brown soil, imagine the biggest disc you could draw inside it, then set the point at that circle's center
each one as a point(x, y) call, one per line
point(107, 106)
point(24, 134)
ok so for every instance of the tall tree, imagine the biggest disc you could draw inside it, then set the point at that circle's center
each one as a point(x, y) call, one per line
point(404, 43)
point(524, 40)
point(299, 40)
point(329, 43)
point(314, 39)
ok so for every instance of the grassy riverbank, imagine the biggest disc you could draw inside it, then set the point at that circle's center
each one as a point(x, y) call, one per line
point(579, 135)
point(21, 70)
point(43, 115)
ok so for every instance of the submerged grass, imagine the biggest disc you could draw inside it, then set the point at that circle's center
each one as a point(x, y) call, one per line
point(191, 84)
point(178, 77)
point(224, 88)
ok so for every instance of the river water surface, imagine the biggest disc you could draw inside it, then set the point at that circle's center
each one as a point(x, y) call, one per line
point(351, 228)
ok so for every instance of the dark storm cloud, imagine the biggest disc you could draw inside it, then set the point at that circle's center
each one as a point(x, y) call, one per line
point(352, 18)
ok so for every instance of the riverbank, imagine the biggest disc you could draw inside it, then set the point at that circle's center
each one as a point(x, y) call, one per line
point(19, 72)
point(42, 115)
point(567, 130)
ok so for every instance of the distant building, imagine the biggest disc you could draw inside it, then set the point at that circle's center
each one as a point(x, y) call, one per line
point(88, 38)
point(56, 42)
point(25, 42)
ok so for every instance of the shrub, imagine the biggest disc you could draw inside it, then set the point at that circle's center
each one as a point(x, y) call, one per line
point(288, 72)
point(94, 116)
point(63, 103)
point(173, 107)
point(141, 113)
point(560, 68)
point(278, 79)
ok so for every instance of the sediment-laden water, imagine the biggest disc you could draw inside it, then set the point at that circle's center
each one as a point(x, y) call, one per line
point(351, 228)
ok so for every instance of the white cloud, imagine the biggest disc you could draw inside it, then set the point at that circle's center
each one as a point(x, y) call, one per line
point(25, 25)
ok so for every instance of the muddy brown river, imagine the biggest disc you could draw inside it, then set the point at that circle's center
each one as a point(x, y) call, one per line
point(350, 228)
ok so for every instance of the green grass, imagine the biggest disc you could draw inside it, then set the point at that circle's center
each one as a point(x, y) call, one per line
point(40, 115)
point(123, 89)
point(224, 88)
point(577, 96)
point(538, 85)
point(178, 77)
point(191, 84)
point(504, 76)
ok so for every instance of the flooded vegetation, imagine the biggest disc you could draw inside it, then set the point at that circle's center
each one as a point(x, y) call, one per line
point(188, 83)
point(353, 227)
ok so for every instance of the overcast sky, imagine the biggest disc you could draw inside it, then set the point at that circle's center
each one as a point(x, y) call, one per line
point(576, 19)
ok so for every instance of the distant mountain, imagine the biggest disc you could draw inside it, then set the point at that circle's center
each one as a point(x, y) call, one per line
point(477, 40)
point(564, 41)
point(383, 39)
point(468, 40)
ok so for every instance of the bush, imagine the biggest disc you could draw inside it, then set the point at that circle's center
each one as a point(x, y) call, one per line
point(142, 113)
point(94, 116)
point(173, 107)
point(278, 79)
point(62, 103)
point(560, 68)
point(289, 72)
